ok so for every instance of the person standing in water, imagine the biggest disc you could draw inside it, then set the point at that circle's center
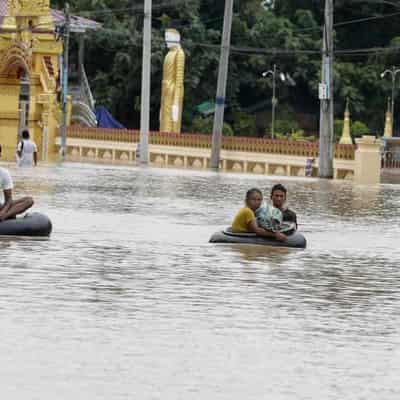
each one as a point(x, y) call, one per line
point(26, 151)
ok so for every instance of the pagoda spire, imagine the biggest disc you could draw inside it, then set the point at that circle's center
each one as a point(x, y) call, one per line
point(388, 132)
point(346, 136)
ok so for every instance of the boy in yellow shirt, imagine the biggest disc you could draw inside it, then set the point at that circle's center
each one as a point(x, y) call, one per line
point(246, 221)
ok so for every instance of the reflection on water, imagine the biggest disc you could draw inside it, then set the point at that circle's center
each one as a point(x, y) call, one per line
point(266, 255)
point(129, 300)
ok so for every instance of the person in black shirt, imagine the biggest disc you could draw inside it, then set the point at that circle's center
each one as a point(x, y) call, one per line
point(278, 198)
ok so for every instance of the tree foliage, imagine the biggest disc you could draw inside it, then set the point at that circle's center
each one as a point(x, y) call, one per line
point(113, 55)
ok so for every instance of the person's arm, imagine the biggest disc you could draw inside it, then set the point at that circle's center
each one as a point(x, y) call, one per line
point(7, 203)
point(19, 149)
point(293, 218)
point(253, 227)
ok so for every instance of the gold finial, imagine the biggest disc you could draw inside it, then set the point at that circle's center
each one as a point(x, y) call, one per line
point(346, 136)
point(388, 131)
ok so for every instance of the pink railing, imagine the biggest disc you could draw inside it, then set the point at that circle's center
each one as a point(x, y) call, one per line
point(233, 143)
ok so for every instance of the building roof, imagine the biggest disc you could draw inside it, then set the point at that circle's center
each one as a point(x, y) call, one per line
point(78, 24)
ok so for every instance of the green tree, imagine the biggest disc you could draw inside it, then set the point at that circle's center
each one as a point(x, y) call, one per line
point(113, 59)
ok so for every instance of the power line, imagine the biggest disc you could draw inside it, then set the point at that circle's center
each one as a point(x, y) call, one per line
point(368, 50)
point(139, 9)
point(366, 19)
point(241, 50)
point(176, 3)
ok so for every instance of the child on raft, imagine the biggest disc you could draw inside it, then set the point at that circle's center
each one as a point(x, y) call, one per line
point(258, 217)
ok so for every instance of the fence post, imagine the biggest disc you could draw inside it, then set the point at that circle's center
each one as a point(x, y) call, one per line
point(368, 161)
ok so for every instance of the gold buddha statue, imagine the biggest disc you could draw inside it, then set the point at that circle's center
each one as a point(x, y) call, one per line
point(172, 84)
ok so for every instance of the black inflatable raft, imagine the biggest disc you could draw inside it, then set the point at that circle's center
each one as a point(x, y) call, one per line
point(295, 239)
point(33, 225)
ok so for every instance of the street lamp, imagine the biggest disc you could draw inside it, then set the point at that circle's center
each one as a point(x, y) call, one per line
point(283, 77)
point(392, 72)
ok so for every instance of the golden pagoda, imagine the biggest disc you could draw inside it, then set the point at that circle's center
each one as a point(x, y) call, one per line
point(388, 132)
point(30, 50)
point(346, 136)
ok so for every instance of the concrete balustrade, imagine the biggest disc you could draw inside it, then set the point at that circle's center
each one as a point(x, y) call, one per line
point(368, 160)
point(360, 163)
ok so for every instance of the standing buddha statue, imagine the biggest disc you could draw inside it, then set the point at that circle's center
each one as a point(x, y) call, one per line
point(173, 84)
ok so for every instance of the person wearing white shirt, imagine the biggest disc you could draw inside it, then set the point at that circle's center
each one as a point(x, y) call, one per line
point(26, 151)
point(10, 208)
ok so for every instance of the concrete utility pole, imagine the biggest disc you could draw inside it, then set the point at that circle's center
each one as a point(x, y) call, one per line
point(146, 81)
point(221, 90)
point(67, 27)
point(326, 129)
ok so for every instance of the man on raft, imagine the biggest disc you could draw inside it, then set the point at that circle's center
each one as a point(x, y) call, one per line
point(10, 208)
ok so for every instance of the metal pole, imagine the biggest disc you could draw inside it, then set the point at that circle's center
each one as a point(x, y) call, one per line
point(146, 81)
point(221, 90)
point(326, 118)
point(63, 149)
point(393, 92)
point(81, 57)
point(273, 102)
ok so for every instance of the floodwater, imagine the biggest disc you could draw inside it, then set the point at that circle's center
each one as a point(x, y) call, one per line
point(128, 300)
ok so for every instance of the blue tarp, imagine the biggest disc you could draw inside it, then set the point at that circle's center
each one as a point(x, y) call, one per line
point(106, 120)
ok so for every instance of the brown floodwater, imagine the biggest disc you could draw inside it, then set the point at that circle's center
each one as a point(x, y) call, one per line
point(128, 300)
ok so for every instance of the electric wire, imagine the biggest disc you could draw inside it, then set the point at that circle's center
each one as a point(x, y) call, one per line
point(239, 49)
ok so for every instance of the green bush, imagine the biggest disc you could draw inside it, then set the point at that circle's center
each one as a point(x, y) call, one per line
point(205, 125)
point(286, 127)
point(357, 129)
point(297, 135)
point(294, 135)
point(338, 129)
point(244, 124)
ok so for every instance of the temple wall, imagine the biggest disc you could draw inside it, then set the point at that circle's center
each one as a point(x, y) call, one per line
point(44, 110)
point(9, 116)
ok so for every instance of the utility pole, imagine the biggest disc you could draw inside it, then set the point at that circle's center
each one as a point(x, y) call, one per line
point(326, 129)
point(221, 90)
point(146, 81)
point(274, 102)
point(67, 26)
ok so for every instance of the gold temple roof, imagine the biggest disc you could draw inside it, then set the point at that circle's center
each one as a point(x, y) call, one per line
point(78, 24)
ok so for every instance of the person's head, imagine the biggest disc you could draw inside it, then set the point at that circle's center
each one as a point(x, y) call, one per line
point(254, 198)
point(25, 134)
point(278, 195)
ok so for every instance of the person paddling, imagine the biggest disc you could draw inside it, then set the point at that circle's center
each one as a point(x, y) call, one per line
point(246, 221)
point(10, 208)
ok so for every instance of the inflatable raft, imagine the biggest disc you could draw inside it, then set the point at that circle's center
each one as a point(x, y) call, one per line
point(32, 225)
point(295, 239)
